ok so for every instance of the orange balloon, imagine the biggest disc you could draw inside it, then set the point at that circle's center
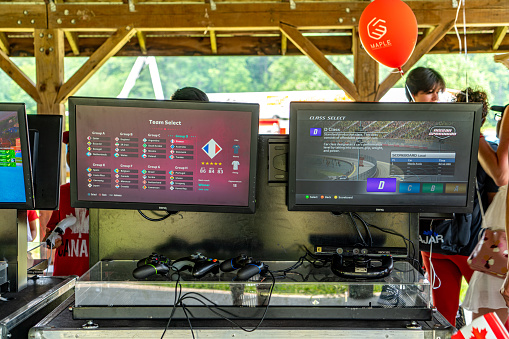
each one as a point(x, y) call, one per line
point(388, 32)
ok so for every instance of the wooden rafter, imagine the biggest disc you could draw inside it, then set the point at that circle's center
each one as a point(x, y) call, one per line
point(92, 65)
point(74, 41)
point(498, 36)
point(420, 50)
point(4, 43)
point(311, 51)
point(19, 77)
point(142, 41)
point(255, 16)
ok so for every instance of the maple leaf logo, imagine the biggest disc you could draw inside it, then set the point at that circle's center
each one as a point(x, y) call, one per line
point(476, 334)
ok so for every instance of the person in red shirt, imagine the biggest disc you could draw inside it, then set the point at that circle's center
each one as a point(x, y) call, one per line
point(72, 247)
point(32, 225)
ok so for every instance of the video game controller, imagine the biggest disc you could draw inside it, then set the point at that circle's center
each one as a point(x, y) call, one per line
point(197, 264)
point(151, 265)
point(247, 267)
point(59, 230)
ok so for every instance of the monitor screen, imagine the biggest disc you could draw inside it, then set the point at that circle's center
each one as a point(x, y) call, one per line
point(15, 167)
point(387, 157)
point(46, 148)
point(163, 155)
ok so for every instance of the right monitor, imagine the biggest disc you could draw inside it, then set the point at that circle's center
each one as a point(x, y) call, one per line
point(386, 157)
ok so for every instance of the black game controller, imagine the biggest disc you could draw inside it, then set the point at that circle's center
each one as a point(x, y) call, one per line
point(247, 267)
point(153, 264)
point(197, 264)
point(361, 267)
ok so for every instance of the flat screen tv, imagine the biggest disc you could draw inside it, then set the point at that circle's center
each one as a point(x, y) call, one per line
point(15, 167)
point(163, 155)
point(386, 157)
point(46, 148)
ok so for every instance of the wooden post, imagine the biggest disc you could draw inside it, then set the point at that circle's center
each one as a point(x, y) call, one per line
point(49, 64)
point(365, 70)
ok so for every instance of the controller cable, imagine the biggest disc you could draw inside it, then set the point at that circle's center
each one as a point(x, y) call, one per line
point(352, 215)
point(152, 219)
point(199, 298)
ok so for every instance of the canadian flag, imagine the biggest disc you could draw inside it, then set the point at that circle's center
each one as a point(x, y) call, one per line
point(488, 326)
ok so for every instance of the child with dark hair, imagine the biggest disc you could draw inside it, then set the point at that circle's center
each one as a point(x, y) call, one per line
point(189, 93)
point(423, 85)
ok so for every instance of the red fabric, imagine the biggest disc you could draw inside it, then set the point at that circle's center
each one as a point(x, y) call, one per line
point(449, 269)
point(71, 258)
point(32, 215)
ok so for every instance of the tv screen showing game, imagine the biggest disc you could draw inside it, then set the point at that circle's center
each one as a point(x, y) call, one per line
point(15, 167)
point(163, 155)
point(387, 157)
point(45, 131)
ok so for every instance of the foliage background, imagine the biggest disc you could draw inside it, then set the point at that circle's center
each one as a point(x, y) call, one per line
point(219, 74)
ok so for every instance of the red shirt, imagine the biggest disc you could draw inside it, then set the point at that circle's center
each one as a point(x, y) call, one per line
point(71, 258)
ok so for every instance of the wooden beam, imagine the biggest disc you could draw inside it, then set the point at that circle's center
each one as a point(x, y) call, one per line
point(74, 41)
point(284, 44)
point(310, 50)
point(100, 56)
point(4, 44)
point(22, 17)
point(498, 36)
point(365, 71)
point(423, 47)
point(49, 67)
point(256, 16)
point(142, 42)
point(18, 76)
point(503, 59)
point(213, 42)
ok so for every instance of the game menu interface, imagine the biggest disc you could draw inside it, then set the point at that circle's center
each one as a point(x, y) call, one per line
point(12, 183)
point(158, 155)
point(382, 158)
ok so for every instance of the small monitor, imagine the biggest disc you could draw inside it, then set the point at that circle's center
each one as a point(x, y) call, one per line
point(387, 157)
point(15, 167)
point(46, 150)
point(163, 155)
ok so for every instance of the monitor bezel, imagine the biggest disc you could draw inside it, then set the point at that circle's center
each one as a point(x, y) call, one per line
point(412, 108)
point(165, 104)
point(47, 166)
point(20, 110)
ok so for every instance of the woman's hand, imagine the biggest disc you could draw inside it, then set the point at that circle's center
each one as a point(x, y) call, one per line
point(505, 290)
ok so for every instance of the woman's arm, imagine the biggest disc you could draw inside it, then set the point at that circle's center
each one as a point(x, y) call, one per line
point(496, 163)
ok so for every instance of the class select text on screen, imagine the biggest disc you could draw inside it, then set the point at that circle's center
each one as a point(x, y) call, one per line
point(343, 160)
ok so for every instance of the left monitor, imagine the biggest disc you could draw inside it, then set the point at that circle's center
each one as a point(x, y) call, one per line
point(15, 167)
point(163, 155)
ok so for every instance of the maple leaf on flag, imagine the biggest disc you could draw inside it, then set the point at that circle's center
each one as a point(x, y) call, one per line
point(479, 335)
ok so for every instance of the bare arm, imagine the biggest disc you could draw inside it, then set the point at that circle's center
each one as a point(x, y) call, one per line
point(496, 163)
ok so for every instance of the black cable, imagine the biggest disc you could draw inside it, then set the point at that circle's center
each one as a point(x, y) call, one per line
point(365, 226)
point(358, 230)
point(175, 299)
point(152, 219)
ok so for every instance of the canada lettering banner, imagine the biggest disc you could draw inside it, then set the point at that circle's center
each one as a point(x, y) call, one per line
point(388, 32)
point(488, 326)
